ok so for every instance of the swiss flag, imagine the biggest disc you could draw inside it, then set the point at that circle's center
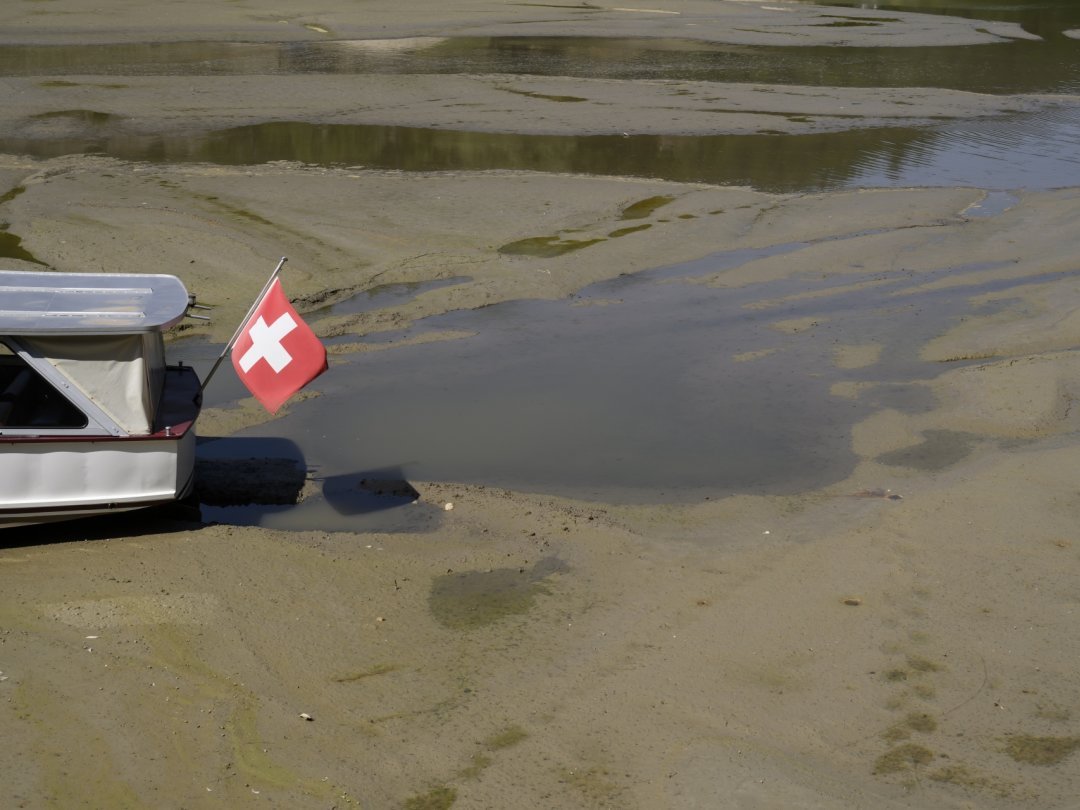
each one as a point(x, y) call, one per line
point(276, 353)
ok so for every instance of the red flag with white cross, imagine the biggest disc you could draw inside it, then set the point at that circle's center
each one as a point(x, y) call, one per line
point(276, 353)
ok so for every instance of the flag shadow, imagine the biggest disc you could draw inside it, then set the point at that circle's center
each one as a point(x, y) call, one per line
point(370, 491)
point(380, 500)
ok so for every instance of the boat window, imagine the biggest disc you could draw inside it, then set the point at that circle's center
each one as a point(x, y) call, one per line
point(27, 400)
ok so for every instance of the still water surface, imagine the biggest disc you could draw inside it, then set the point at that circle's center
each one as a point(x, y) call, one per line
point(1034, 151)
point(1037, 150)
point(642, 389)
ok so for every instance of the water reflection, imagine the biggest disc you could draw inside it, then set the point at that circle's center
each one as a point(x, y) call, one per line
point(1031, 151)
point(1044, 18)
point(1004, 68)
point(1040, 150)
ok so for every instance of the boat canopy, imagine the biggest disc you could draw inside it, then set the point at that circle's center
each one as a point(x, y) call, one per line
point(96, 338)
point(42, 303)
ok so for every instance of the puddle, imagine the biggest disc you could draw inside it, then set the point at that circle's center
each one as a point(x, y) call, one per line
point(994, 203)
point(671, 392)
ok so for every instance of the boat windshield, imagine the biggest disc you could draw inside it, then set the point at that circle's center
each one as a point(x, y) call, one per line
point(27, 400)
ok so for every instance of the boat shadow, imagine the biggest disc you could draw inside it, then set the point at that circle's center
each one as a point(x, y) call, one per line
point(181, 516)
point(255, 481)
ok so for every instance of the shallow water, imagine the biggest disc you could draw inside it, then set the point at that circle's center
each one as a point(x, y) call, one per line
point(1036, 151)
point(1045, 18)
point(647, 388)
point(1001, 68)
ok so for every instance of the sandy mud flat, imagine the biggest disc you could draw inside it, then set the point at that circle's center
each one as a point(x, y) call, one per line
point(902, 638)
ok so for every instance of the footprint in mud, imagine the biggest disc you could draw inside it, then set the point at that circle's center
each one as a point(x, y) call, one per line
point(905, 755)
point(443, 796)
point(909, 754)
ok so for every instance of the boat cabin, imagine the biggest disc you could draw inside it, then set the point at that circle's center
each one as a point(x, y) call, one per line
point(91, 416)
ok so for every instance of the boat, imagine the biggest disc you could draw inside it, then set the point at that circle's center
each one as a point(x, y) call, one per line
point(92, 418)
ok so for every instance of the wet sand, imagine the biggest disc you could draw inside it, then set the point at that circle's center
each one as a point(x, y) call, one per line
point(840, 648)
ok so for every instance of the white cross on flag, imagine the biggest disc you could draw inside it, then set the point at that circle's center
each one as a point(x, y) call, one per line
point(276, 353)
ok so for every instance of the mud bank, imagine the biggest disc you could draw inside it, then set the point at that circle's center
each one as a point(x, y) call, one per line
point(900, 638)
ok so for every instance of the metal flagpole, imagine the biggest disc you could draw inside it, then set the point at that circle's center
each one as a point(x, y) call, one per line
point(236, 334)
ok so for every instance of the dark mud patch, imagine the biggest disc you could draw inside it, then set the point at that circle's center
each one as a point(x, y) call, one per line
point(1032, 750)
point(903, 758)
point(471, 599)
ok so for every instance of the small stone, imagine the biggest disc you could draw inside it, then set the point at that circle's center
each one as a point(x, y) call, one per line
point(448, 506)
point(306, 716)
point(852, 601)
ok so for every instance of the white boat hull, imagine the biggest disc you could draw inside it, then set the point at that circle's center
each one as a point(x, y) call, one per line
point(61, 479)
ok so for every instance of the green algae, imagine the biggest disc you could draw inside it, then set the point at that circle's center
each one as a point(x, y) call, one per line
point(963, 776)
point(478, 598)
point(633, 229)
point(646, 207)
point(1032, 750)
point(478, 764)
point(472, 599)
point(916, 721)
point(70, 776)
point(11, 247)
point(506, 738)
point(250, 751)
point(920, 664)
point(545, 247)
point(438, 798)
point(903, 758)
